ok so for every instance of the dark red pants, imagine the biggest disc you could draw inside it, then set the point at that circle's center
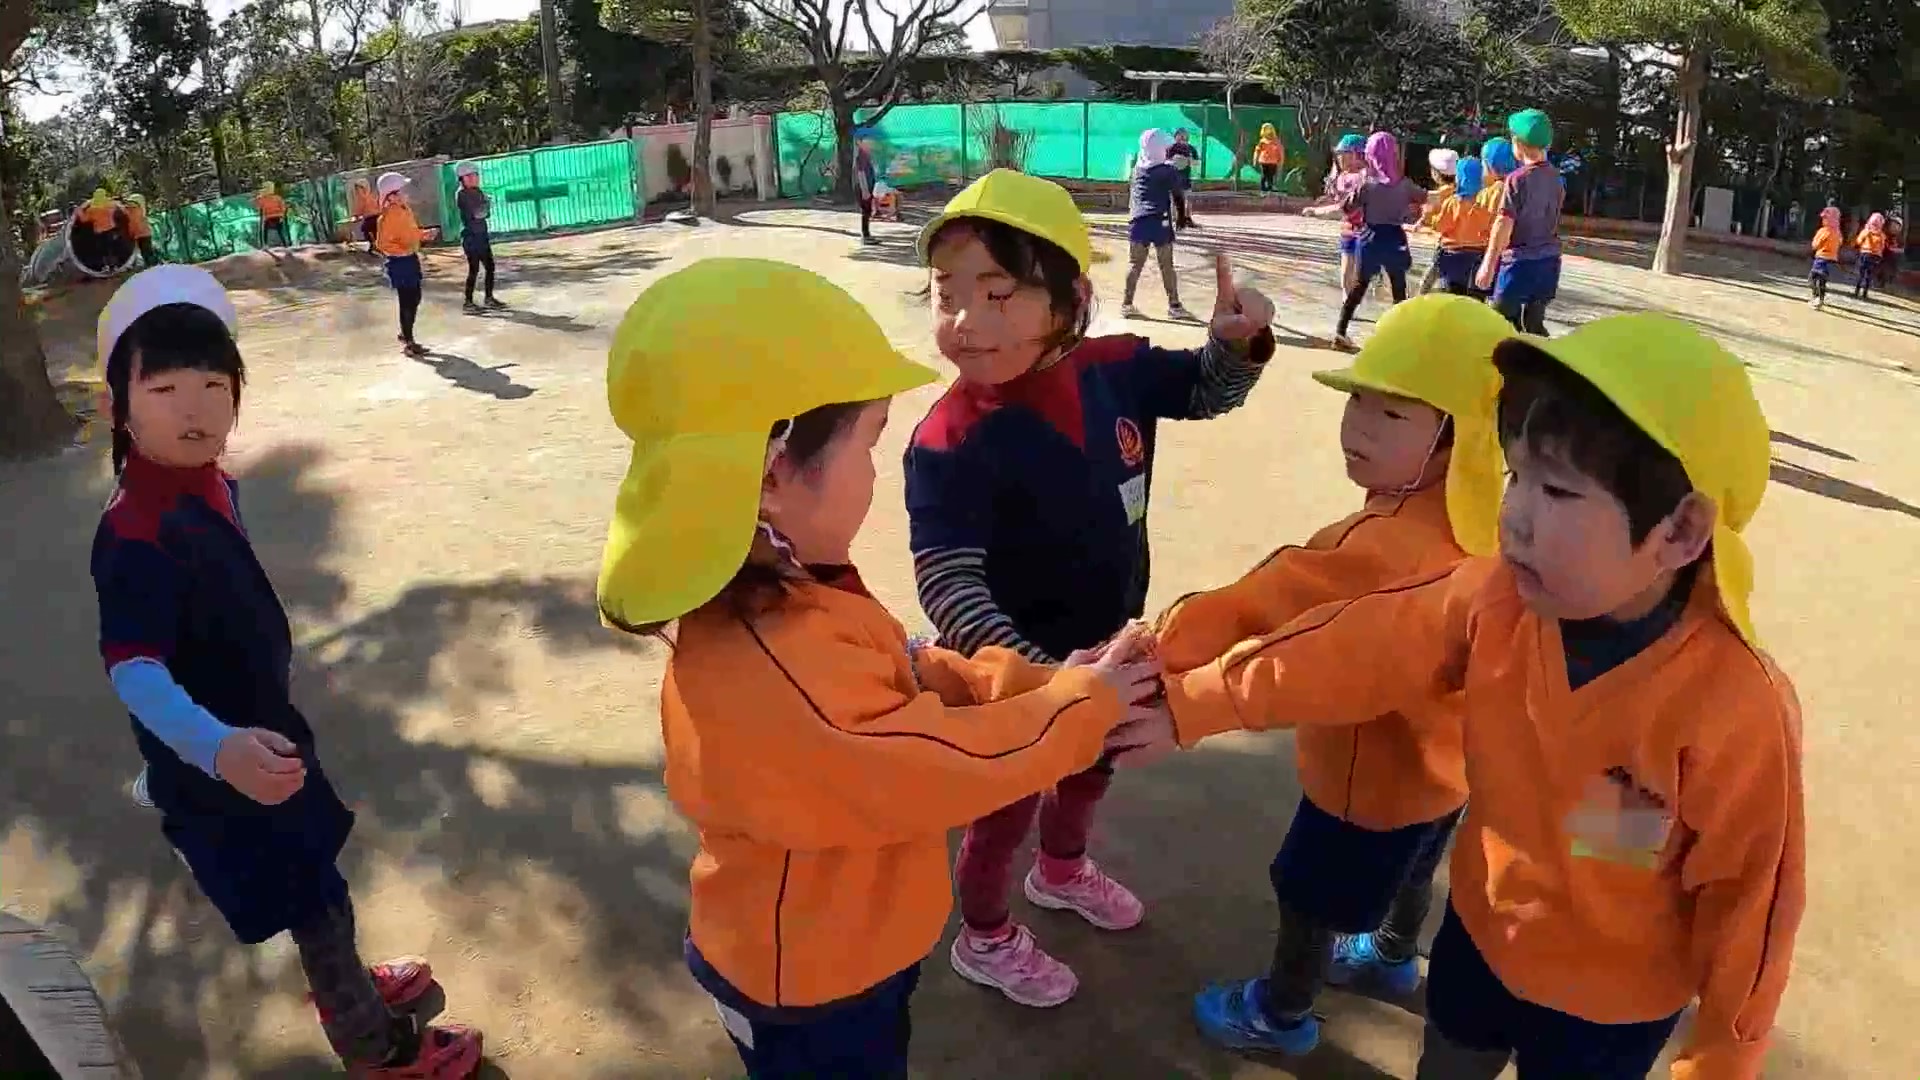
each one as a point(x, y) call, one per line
point(983, 873)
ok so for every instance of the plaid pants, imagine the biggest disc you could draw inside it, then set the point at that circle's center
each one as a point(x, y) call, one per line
point(358, 1023)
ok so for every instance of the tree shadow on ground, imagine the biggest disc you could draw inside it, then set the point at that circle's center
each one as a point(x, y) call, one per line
point(1815, 482)
point(1795, 441)
point(566, 324)
point(467, 375)
point(84, 859)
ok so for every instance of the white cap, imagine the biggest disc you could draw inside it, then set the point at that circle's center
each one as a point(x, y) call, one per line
point(390, 183)
point(1443, 161)
point(466, 168)
point(169, 283)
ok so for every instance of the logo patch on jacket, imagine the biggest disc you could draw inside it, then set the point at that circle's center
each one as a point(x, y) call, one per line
point(1619, 820)
point(1133, 448)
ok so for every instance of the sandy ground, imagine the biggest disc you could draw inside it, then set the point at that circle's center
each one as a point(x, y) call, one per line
point(434, 527)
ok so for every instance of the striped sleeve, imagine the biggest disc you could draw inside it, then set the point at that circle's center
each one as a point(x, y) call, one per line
point(1227, 375)
point(1199, 384)
point(953, 591)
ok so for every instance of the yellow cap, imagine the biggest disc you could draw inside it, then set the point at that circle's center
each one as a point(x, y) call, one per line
point(1694, 398)
point(1027, 203)
point(703, 365)
point(267, 188)
point(101, 200)
point(1438, 349)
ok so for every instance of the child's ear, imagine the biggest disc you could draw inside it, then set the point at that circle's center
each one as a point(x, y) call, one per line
point(1684, 535)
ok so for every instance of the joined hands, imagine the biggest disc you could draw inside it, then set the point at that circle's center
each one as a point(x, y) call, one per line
point(1128, 664)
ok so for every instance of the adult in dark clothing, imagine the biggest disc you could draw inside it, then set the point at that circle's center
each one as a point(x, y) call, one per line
point(475, 238)
point(864, 177)
point(1182, 156)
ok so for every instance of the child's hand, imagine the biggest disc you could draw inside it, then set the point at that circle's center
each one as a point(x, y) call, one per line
point(1144, 740)
point(1483, 278)
point(1238, 313)
point(260, 764)
point(1127, 665)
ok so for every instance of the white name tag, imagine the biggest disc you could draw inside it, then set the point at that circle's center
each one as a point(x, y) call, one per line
point(1133, 496)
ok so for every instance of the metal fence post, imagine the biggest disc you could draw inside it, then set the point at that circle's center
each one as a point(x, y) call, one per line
point(963, 143)
point(533, 178)
point(1086, 140)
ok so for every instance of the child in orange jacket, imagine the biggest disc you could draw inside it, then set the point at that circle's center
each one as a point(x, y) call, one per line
point(821, 756)
point(1871, 243)
point(1464, 222)
point(397, 237)
point(1826, 253)
point(1635, 839)
point(272, 208)
point(1354, 877)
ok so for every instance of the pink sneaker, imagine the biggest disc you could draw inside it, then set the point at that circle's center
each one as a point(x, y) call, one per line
point(1016, 966)
point(1091, 894)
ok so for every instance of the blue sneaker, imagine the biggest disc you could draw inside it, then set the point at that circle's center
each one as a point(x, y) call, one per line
point(1357, 961)
point(1231, 1015)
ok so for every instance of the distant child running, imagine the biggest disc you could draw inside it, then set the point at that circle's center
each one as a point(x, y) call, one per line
point(1348, 173)
point(1522, 264)
point(398, 237)
point(1826, 255)
point(476, 239)
point(1463, 225)
point(198, 648)
point(1027, 489)
point(1354, 877)
point(1636, 838)
point(273, 216)
point(1444, 164)
point(140, 229)
point(822, 756)
point(1386, 203)
point(1269, 154)
point(1871, 245)
point(1150, 223)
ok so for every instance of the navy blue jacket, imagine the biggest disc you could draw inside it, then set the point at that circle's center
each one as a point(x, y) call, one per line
point(178, 584)
point(1044, 482)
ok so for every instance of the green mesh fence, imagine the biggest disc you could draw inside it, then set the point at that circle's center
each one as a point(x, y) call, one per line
point(918, 145)
point(555, 187)
point(208, 230)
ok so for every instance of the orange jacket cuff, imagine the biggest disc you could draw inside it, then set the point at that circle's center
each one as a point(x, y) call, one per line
point(1721, 1059)
point(1201, 704)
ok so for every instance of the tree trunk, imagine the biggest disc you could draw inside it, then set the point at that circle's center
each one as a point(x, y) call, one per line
point(1670, 254)
point(32, 420)
point(703, 201)
point(550, 60)
point(843, 145)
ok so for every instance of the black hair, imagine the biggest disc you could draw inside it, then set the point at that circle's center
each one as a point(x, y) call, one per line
point(1035, 261)
point(758, 584)
point(1552, 411)
point(171, 337)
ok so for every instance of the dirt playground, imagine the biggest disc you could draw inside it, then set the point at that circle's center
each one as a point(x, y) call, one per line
point(434, 528)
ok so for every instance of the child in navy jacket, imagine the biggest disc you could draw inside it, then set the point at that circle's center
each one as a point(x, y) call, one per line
point(198, 648)
point(1027, 488)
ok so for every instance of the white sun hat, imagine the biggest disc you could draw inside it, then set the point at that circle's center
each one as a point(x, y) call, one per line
point(169, 283)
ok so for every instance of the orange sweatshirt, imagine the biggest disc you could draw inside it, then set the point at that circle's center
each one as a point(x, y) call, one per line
point(1398, 770)
point(364, 204)
point(1464, 224)
point(1269, 152)
point(270, 206)
point(138, 227)
point(1629, 846)
point(1826, 243)
point(399, 232)
point(1871, 242)
point(99, 219)
point(1436, 199)
point(823, 782)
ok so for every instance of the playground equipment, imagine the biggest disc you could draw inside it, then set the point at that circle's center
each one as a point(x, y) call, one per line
point(56, 260)
point(53, 1025)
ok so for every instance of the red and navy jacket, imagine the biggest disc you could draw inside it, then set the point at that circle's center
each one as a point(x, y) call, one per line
point(1028, 500)
point(178, 584)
